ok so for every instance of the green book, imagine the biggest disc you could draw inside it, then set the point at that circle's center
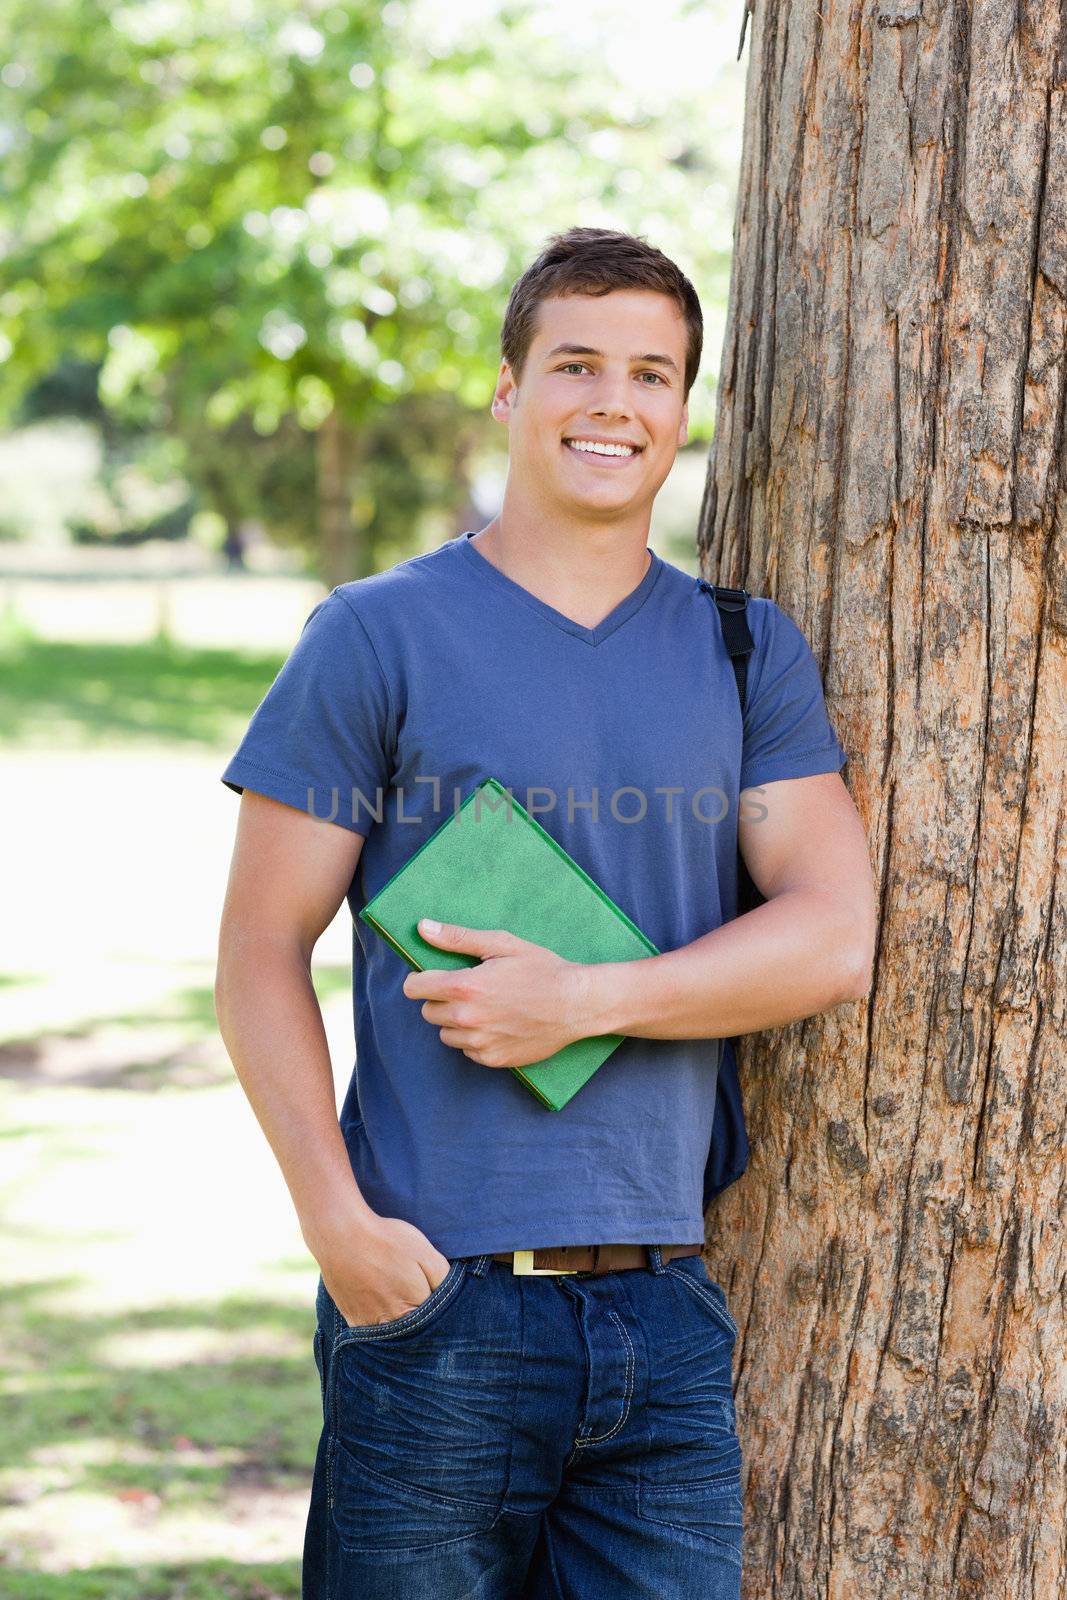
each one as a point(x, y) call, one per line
point(492, 865)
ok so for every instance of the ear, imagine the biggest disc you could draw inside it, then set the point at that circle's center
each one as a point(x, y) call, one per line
point(683, 426)
point(504, 394)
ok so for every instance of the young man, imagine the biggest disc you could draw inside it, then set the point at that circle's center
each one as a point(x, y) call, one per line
point(489, 1431)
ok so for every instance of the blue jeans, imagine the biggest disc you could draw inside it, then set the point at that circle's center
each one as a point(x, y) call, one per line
point(530, 1438)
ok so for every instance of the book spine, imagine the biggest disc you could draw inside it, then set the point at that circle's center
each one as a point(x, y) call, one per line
point(387, 936)
point(533, 1088)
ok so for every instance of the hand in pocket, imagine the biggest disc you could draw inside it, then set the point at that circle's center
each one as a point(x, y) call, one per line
point(384, 1270)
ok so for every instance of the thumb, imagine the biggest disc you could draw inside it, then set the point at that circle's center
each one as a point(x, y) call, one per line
point(472, 941)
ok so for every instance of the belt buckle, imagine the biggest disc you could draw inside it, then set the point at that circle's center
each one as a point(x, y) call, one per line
point(522, 1267)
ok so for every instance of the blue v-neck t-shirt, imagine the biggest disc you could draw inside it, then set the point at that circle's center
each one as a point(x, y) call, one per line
point(403, 691)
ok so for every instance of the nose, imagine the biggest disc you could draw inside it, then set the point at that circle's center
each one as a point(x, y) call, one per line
point(613, 396)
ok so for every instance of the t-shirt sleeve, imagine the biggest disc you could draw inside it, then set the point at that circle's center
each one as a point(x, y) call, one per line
point(321, 738)
point(788, 733)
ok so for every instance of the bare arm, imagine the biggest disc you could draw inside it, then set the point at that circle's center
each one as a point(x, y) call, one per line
point(288, 876)
point(810, 947)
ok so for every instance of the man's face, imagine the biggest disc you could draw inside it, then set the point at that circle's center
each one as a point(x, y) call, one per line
point(600, 369)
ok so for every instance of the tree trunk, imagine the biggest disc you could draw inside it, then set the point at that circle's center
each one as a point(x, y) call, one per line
point(889, 465)
point(340, 539)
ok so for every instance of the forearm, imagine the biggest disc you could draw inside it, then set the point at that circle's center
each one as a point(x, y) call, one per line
point(272, 1027)
point(789, 958)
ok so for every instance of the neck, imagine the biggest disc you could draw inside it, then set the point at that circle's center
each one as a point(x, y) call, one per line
point(582, 571)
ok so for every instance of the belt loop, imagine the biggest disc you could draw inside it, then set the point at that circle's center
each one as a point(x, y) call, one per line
point(655, 1258)
point(478, 1264)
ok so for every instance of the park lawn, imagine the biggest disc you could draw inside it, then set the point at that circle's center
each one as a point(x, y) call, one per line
point(160, 1400)
point(77, 694)
point(209, 1580)
point(159, 1393)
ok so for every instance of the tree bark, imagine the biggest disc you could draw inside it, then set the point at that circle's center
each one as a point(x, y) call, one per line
point(889, 465)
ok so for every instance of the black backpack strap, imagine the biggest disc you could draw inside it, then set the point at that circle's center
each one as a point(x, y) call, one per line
point(737, 636)
point(728, 1153)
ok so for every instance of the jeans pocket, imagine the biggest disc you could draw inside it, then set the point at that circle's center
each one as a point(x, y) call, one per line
point(691, 1271)
point(374, 1514)
point(421, 1428)
point(709, 1509)
point(418, 1318)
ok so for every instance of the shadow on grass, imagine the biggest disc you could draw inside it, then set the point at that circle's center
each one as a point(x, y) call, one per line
point(195, 1426)
point(121, 693)
point(119, 1051)
point(203, 1580)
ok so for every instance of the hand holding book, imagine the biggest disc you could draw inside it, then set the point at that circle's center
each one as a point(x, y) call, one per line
point(521, 1004)
point(492, 870)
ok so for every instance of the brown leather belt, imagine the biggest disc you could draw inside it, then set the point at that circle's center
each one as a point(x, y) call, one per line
point(592, 1258)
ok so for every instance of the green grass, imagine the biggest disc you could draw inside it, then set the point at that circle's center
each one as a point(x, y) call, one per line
point(207, 1580)
point(159, 1398)
point(138, 1406)
point(79, 694)
point(260, 1412)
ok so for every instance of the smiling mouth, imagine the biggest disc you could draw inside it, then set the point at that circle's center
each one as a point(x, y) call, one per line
point(605, 456)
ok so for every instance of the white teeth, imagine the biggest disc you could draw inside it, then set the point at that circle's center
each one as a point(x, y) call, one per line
point(602, 449)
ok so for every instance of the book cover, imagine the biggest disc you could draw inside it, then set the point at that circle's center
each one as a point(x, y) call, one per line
point(492, 865)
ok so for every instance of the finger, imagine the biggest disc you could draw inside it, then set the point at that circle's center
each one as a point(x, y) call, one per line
point(439, 1012)
point(480, 942)
point(431, 985)
point(483, 1060)
point(460, 1039)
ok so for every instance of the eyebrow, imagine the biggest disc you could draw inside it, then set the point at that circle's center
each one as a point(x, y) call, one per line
point(587, 350)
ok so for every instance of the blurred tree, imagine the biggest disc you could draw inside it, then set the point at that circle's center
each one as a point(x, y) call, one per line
point(287, 231)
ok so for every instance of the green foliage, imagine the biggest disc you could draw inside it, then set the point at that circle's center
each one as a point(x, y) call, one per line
point(248, 214)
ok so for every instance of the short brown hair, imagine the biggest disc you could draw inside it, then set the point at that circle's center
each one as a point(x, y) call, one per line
point(596, 261)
